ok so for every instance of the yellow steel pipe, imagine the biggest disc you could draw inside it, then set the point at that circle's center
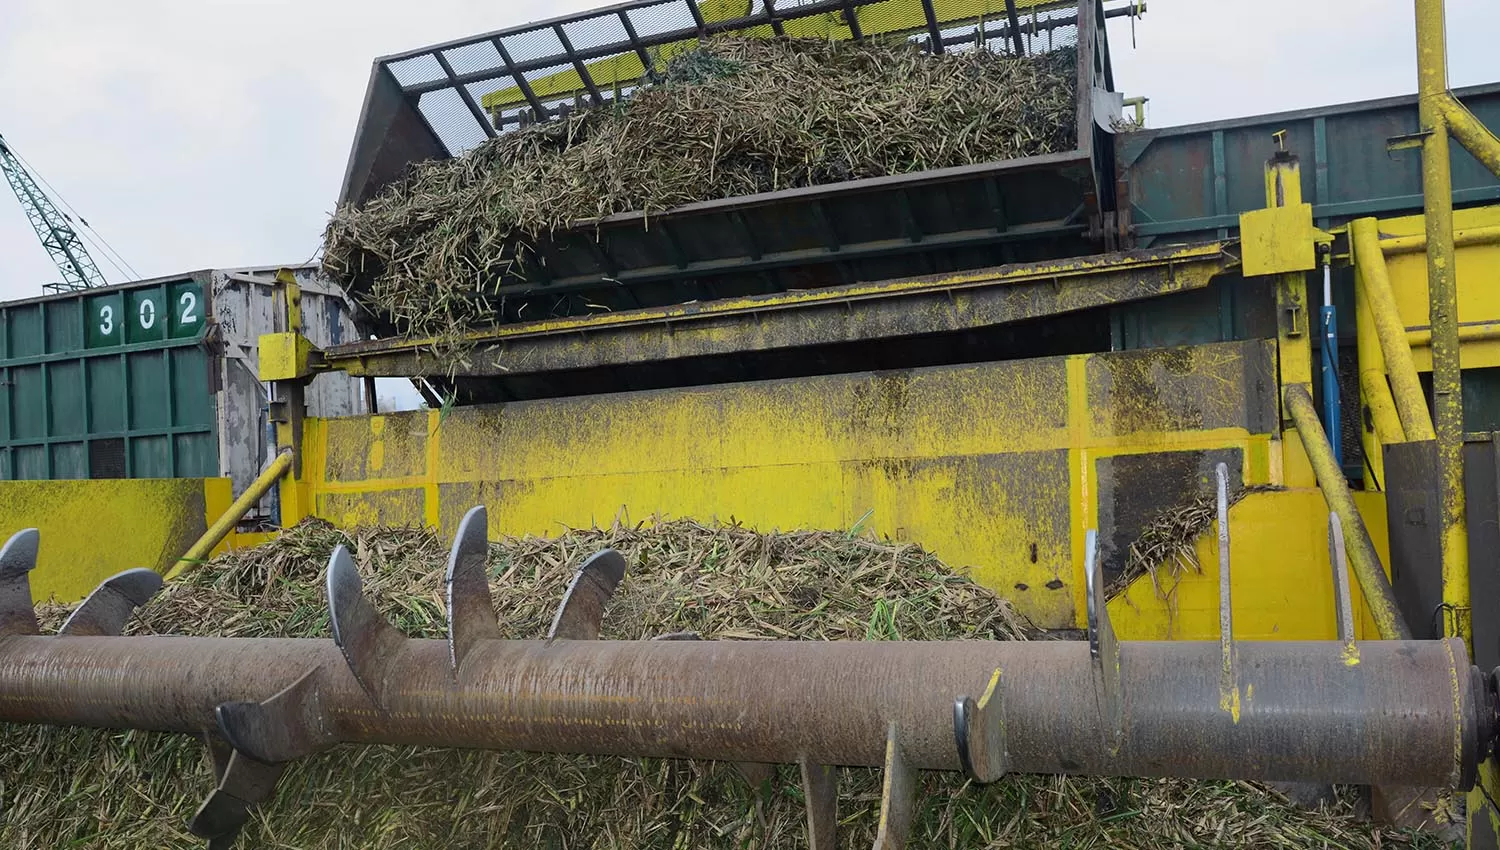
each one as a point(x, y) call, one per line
point(1467, 333)
point(1410, 400)
point(1417, 243)
point(1382, 410)
point(1442, 288)
point(224, 524)
point(1374, 391)
point(1379, 597)
point(1474, 136)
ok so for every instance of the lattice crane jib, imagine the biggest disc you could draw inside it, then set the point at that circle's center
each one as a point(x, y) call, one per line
point(51, 225)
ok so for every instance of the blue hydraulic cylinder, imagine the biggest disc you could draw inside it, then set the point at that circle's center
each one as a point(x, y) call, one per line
point(1329, 316)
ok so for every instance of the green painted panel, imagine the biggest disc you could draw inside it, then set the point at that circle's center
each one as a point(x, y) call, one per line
point(30, 462)
point(192, 404)
point(70, 460)
point(150, 457)
point(1191, 183)
point(187, 310)
point(66, 401)
point(64, 325)
point(28, 403)
point(5, 385)
point(147, 314)
point(106, 381)
point(105, 322)
point(197, 455)
point(25, 330)
point(146, 384)
point(108, 384)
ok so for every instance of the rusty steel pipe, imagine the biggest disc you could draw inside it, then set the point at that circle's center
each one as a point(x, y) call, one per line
point(1412, 712)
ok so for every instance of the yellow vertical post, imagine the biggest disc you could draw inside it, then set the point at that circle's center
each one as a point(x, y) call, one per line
point(288, 407)
point(1293, 342)
point(1437, 196)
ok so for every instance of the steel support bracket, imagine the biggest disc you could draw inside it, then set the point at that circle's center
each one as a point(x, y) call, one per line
point(1278, 240)
point(286, 357)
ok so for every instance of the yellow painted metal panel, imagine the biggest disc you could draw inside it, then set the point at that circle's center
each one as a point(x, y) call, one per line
point(1478, 303)
point(1278, 240)
point(284, 356)
point(1281, 580)
point(988, 465)
point(93, 529)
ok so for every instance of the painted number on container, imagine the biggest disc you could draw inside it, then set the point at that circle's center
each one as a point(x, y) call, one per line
point(106, 320)
point(147, 314)
point(189, 303)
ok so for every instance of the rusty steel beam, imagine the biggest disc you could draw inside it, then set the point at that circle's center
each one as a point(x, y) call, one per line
point(1409, 712)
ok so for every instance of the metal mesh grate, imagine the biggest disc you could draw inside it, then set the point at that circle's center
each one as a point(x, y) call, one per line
point(471, 90)
point(107, 458)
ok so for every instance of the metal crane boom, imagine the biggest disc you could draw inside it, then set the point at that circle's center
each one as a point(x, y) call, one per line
point(58, 236)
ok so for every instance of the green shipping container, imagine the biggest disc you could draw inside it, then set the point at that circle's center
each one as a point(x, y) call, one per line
point(108, 383)
point(155, 379)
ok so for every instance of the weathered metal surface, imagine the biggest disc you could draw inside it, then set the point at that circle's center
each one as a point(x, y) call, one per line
point(820, 790)
point(898, 795)
point(1339, 559)
point(581, 612)
point(108, 608)
point(1231, 699)
point(471, 611)
point(1396, 716)
point(1104, 649)
point(244, 305)
point(1416, 546)
point(1191, 183)
point(992, 466)
point(1482, 479)
point(244, 784)
point(1134, 490)
point(17, 560)
point(842, 314)
point(112, 382)
point(371, 645)
point(289, 725)
point(150, 523)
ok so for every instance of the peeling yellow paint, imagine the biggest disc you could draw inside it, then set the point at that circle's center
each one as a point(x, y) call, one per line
point(1229, 700)
point(989, 690)
point(1351, 654)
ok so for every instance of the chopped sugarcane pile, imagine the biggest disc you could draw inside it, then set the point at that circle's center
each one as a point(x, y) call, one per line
point(102, 789)
point(736, 117)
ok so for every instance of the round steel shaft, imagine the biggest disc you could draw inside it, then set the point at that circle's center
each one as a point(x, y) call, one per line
point(1398, 711)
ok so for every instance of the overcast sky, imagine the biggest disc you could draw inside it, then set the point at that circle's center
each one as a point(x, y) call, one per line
point(211, 133)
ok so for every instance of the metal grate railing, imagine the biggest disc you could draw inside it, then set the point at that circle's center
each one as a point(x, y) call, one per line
point(471, 90)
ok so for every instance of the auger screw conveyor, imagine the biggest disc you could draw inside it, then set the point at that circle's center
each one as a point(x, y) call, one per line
point(1409, 712)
